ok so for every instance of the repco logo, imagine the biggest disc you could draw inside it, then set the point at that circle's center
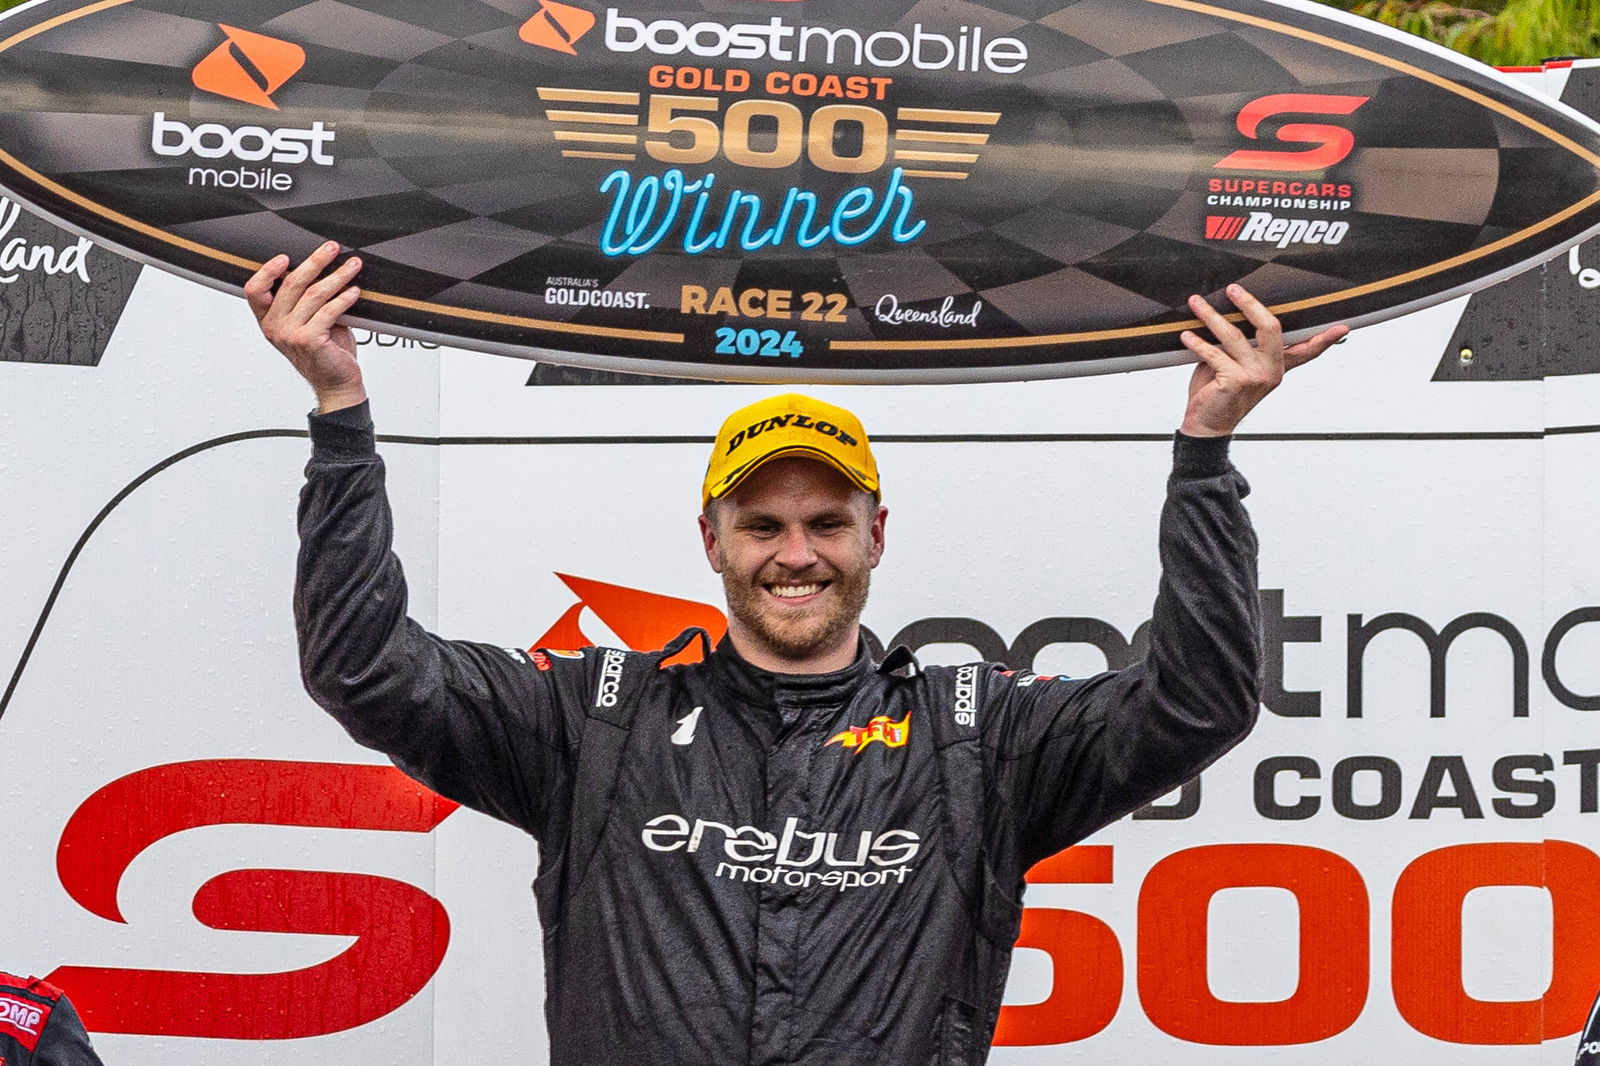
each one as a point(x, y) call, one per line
point(252, 144)
point(1266, 228)
point(966, 708)
point(610, 678)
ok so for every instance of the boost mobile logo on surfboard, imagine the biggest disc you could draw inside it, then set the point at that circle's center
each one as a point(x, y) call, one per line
point(999, 190)
point(968, 49)
point(248, 67)
point(557, 26)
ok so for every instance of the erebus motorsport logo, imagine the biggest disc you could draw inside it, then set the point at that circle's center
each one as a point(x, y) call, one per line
point(795, 858)
point(1263, 227)
point(965, 49)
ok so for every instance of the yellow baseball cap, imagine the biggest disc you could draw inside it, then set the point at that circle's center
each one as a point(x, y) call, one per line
point(790, 424)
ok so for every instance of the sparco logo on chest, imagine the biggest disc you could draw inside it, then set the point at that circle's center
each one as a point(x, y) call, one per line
point(610, 678)
point(966, 709)
point(795, 857)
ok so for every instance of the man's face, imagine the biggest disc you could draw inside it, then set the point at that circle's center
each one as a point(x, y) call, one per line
point(795, 544)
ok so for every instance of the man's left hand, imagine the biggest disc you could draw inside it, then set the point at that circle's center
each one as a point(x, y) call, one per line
point(1236, 373)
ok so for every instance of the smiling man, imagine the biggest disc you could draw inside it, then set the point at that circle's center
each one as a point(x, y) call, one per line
point(786, 853)
point(791, 521)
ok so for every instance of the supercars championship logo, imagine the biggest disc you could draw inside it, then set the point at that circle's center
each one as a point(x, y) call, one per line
point(1330, 144)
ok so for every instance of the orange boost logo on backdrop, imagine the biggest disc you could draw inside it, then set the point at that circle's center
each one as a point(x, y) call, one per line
point(881, 729)
point(644, 621)
point(249, 67)
point(557, 26)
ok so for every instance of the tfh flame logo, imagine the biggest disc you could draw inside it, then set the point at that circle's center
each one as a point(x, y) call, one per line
point(249, 67)
point(642, 620)
point(557, 26)
point(889, 733)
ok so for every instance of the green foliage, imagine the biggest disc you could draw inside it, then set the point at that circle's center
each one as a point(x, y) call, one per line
point(1498, 32)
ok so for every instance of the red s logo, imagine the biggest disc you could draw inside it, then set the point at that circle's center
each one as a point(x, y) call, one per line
point(401, 932)
point(1332, 143)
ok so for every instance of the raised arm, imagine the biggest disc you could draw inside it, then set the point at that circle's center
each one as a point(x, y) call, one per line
point(481, 724)
point(1073, 756)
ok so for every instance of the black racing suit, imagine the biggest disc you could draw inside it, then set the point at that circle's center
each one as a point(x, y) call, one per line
point(39, 1027)
point(742, 867)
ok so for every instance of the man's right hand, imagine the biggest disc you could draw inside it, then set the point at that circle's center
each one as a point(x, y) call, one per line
point(302, 321)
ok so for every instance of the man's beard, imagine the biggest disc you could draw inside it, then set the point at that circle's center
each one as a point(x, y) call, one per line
point(799, 638)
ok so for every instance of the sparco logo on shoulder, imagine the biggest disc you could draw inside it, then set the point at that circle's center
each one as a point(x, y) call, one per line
point(966, 709)
point(610, 678)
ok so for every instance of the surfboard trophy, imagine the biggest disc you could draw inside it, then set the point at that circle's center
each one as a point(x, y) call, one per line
point(796, 191)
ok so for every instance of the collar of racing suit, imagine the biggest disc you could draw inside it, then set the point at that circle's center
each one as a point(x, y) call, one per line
point(756, 687)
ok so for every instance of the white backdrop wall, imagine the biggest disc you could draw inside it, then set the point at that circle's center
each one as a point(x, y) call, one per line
point(1400, 865)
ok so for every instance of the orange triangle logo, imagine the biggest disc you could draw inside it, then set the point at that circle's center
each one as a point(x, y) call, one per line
point(644, 621)
point(249, 67)
point(557, 26)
